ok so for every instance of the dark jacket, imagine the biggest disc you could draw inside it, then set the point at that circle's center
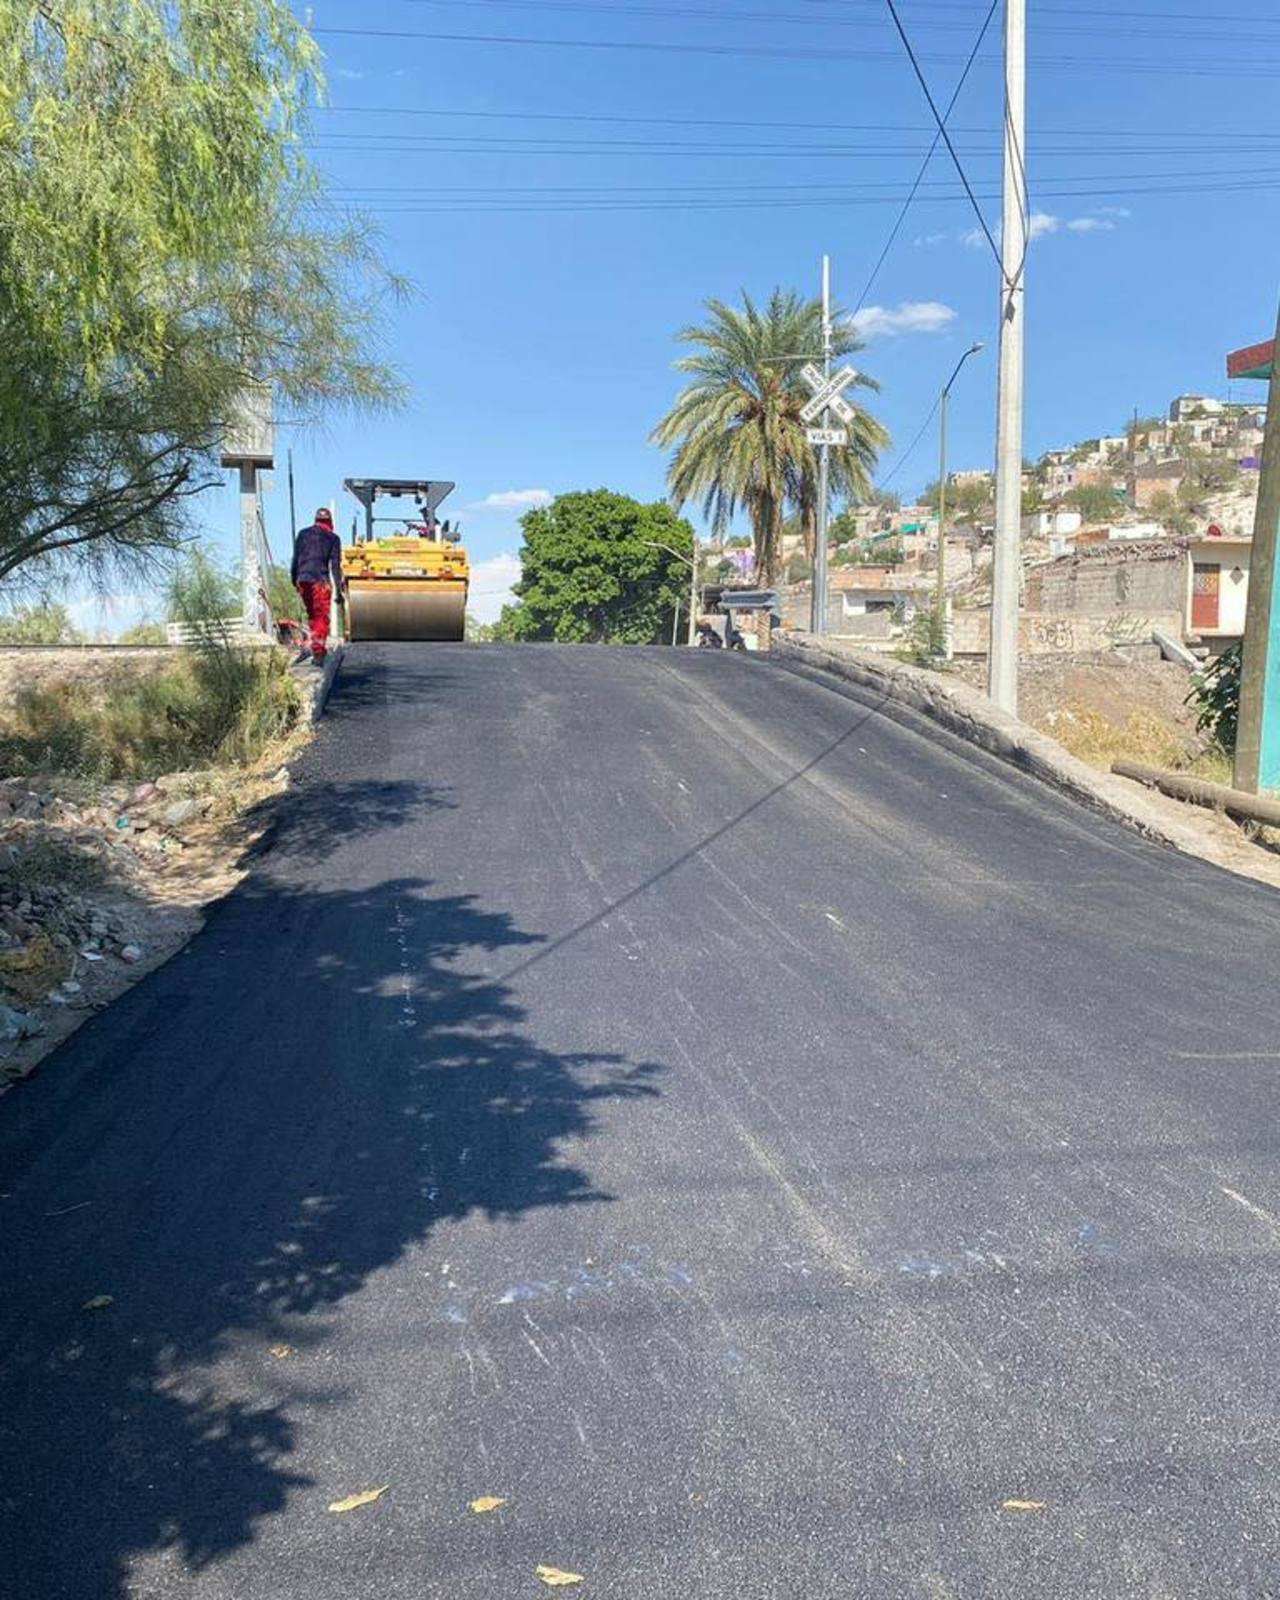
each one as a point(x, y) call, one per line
point(317, 557)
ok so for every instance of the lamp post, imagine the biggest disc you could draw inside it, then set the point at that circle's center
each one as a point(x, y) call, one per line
point(693, 583)
point(944, 404)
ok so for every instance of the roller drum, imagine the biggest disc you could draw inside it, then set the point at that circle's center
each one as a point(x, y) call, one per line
point(384, 609)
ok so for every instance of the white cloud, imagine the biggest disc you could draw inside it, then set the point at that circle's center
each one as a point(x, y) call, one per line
point(351, 75)
point(1043, 223)
point(911, 316)
point(491, 582)
point(928, 240)
point(512, 499)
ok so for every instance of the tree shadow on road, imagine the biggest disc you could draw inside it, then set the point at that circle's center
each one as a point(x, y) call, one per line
point(294, 1103)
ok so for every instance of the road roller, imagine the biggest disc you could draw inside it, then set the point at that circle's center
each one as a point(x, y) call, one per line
point(409, 583)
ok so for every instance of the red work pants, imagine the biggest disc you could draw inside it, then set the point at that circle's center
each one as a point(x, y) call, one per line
point(318, 598)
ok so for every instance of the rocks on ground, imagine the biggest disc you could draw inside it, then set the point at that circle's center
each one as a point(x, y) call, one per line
point(100, 882)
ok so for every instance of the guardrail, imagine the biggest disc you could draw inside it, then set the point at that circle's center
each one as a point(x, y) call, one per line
point(219, 630)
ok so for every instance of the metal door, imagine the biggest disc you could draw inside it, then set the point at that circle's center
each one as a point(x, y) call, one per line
point(1206, 586)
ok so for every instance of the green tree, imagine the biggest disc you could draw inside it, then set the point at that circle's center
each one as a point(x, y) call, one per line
point(164, 247)
point(1205, 474)
point(967, 502)
point(799, 568)
point(736, 434)
point(39, 624)
point(1170, 510)
point(282, 597)
point(600, 568)
point(201, 590)
point(477, 632)
point(145, 633)
point(1096, 502)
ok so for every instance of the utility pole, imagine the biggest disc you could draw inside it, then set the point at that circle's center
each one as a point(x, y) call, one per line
point(943, 407)
point(693, 595)
point(818, 607)
point(1257, 757)
point(1002, 672)
point(251, 576)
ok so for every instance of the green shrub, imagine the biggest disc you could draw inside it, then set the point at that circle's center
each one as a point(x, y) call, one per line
point(926, 639)
point(215, 706)
point(1215, 693)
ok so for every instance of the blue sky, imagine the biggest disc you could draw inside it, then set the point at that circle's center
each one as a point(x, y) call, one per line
point(555, 259)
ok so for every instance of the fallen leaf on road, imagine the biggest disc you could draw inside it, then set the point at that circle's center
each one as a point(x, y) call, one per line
point(555, 1579)
point(1023, 1505)
point(280, 1351)
point(100, 1302)
point(365, 1498)
point(487, 1502)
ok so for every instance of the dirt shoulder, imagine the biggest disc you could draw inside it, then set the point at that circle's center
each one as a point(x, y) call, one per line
point(101, 883)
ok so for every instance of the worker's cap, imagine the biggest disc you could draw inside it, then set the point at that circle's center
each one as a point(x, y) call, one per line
point(325, 516)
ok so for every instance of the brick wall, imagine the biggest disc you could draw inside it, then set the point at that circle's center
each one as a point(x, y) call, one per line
point(1050, 633)
point(1110, 580)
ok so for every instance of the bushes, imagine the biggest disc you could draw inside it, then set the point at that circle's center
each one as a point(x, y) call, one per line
point(213, 707)
point(1215, 693)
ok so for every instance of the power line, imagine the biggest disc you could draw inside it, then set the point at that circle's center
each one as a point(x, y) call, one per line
point(1232, 137)
point(1232, 68)
point(942, 126)
point(681, 13)
point(924, 165)
point(906, 454)
point(392, 190)
point(463, 144)
point(1246, 186)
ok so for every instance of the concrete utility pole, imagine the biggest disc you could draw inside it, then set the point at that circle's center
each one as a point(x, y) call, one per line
point(251, 565)
point(693, 595)
point(818, 606)
point(944, 404)
point(250, 447)
point(1257, 758)
point(1002, 672)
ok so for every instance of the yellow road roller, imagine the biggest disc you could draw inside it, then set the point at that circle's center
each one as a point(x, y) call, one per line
point(410, 583)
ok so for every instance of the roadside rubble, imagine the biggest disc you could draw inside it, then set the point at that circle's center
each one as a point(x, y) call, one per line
point(99, 883)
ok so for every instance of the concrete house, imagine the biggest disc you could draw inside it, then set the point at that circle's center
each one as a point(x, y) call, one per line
point(1217, 585)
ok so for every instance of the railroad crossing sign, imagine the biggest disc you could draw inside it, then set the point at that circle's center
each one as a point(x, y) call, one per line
point(836, 436)
point(827, 393)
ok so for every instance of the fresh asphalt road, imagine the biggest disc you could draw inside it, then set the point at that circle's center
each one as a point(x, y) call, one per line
point(753, 1137)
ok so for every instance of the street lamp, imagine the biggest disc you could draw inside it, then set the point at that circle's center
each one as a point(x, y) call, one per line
point(941, 602)
point(692, 565)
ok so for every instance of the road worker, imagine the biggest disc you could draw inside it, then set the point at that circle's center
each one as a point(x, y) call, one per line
point(316, 572)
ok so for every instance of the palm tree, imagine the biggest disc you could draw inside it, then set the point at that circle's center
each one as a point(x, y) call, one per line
point(739, 441)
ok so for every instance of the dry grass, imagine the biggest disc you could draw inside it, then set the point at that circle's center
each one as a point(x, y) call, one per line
point(1144, 737)
point(215, 707)
point(51, 860)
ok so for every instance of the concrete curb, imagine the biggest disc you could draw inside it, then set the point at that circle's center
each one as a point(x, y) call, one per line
point(331, 664)
point(970, 716)
point(315, 685)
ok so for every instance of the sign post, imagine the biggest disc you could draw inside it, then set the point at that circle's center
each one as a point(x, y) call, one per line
point(1257, 758)
point(827, 389)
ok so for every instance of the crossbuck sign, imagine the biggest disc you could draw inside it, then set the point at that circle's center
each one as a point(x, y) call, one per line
point(827, 393)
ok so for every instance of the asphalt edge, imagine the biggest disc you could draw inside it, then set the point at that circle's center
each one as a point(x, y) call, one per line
point(973, 718)
point(320, 697)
